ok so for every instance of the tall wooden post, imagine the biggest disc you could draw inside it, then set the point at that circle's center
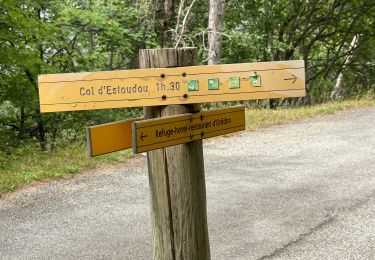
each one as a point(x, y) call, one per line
point(176, 176)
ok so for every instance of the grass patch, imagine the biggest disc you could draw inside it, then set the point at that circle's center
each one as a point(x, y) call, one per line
point(257, 118)
point(28, 164)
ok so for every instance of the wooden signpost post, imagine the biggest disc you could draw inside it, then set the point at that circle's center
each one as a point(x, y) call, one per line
point(170, 87)
point(176, 177)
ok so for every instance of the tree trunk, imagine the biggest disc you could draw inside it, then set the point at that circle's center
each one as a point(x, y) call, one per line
point(215, 24)
point(338, 90)
point(267, 31)
point(91, 39)
point(22, 120)
point(168, 10)
point(110, 58)
point(41, 134)
point(176, 177)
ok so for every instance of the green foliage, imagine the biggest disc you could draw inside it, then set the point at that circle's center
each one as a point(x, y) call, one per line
point(47, 36)
point(62, 36)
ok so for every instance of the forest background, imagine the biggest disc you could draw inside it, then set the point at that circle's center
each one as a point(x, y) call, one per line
point(335, 38)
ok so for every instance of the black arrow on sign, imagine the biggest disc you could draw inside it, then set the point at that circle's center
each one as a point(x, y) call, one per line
point(294, 78)
point(142, 136)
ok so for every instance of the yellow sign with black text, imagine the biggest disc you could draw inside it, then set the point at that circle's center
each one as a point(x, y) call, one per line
point(167, 131)
point(168, 86)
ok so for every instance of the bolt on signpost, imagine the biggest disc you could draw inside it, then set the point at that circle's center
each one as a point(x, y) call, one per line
point(170, 87)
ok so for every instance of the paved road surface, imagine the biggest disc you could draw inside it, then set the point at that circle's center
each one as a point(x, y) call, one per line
point(303, 190)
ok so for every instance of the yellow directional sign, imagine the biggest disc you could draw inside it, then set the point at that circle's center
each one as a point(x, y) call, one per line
point(167, 86)
point(167, 131)
point(111, 137)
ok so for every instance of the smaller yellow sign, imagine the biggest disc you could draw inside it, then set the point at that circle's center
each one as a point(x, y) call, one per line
point(167, 131)
point(111, 137)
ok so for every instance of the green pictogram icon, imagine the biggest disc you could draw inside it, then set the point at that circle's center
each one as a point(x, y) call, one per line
point(234, 82)
point(193, 85)
point(213, 84)
point(255, 80)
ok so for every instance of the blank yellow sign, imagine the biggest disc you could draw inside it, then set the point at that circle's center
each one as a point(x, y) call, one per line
point(111, 137)
point(167, 86)
point(167, 131)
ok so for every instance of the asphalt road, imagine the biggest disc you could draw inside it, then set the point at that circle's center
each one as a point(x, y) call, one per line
point(303, 190)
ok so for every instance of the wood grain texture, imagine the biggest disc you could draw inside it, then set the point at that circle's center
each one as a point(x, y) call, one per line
point(170, 86)
point(176, 177)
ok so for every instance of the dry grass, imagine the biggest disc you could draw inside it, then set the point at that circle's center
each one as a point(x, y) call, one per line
point(30, 164)
point(257, 118)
